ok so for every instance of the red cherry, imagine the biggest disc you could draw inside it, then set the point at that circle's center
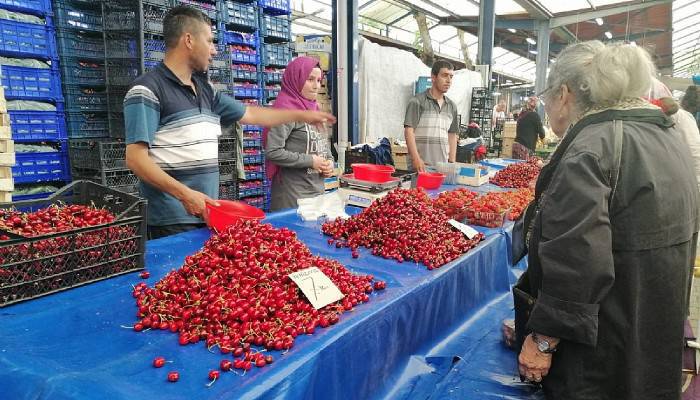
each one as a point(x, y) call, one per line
point(225, 365)
point(173, 376)
point(145, 274)
point(158, 362)
point(260, 362)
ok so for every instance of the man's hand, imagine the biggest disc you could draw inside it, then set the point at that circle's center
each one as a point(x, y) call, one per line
point(418, 164)
point(532, 363)
point(195, 204)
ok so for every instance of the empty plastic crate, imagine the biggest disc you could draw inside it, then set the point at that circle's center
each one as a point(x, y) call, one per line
point(154, 49)
point(76, 44)
point(227, 171)
point(228, 191)
point(277, 27)
point(82, 72)
point(31, 83)
point(87, 125)
point(79, 99)
point(33, 126)
point(227, 148)
point(20, 39)
point(273, 77)
point(68, 16)
point(244, 15)
point(97, 155)
point(36, 7)
point(122, 73)
point(277, 54)
point(122, 178)
point(41, 167)
point(244, 75)
point(275, 6)
point(244, 57)
point(246, 92)
point(252, 143)
point(240, 38)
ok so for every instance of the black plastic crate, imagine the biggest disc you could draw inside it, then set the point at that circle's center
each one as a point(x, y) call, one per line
point(37, 266)
point(81, 99)
point(75, 71)
point(122, 73)
point(111, 178)
point(87, 125)
point(69, 16)
point(227, 148)
point(97, 155)
point(77, 44)
point(228, 191)
point(356, 156)
point(227, 171)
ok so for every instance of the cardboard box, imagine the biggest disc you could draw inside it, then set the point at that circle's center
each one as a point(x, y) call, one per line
point(4, 119)
point(399, 149)
point(509, 129)
point(5, 132)
point(6, 182)
point(5, 197)
point(472, 174)
point(400, 161)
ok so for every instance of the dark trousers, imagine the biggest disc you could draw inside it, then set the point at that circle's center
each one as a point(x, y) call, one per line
point(155, 231)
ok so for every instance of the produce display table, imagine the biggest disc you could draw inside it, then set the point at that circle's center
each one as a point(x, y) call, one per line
point(403, 343)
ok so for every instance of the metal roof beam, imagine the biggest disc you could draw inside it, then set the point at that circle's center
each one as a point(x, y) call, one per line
point(367, 4)
point(400, 18)
point(599, 13)
point(472, 22)
point(537, 11)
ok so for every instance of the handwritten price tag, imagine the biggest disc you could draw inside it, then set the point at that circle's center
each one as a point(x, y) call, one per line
point(316, 286)
point(467, 230)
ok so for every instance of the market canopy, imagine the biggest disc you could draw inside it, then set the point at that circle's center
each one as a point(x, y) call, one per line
point(668, 29)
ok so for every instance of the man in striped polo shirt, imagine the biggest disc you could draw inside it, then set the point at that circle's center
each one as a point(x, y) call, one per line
point(173, 118)
point(431, 125)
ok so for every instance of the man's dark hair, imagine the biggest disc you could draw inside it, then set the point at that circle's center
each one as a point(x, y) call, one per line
point(440, 64)
point(689, 102)
point(178, 20)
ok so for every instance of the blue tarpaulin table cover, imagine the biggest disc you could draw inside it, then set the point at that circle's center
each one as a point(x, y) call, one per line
point(430, 334)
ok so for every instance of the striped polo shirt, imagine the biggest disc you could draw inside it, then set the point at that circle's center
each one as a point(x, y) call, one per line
point(181, 127)
point(431, 124)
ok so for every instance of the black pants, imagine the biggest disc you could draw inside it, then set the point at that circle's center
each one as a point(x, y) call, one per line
point(155, 231)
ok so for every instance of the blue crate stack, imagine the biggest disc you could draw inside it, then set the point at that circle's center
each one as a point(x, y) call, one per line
point(276, 37)
point(30, 72)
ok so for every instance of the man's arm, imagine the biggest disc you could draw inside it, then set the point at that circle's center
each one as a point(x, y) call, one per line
point(138, 160)
point(269, 117)
point(410, 137)
point(452, 137)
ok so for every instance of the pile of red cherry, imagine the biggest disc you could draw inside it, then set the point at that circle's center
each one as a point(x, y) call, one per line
point(403, 225)
point(236, 293)
point(518, 175)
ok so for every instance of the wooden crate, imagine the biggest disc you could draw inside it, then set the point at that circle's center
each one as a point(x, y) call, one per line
point(509, 129)
point(5, 197)
point(6, 182)
point(7, 153)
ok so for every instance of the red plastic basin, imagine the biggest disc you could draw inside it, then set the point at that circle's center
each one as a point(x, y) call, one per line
point(430, 180)
point(228, 212)
point(372, 172)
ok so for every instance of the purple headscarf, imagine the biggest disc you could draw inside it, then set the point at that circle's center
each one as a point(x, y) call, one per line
point(290, 98)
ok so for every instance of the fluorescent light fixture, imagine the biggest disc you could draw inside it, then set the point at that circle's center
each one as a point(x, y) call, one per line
point(531, 41)
point(511, 30)
point(533, 51)
point(608, 35)
point(599, 21)
point(633, 43)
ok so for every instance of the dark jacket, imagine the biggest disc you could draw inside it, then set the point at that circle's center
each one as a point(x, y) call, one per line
point(528, 128)
point(612, 282)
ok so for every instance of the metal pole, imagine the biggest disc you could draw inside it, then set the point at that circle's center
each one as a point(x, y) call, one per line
point(487, 23)
point(542, 60)
point(347, 77)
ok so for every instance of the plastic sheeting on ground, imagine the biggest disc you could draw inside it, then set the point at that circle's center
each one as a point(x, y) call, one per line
point(430, 334)
point(386, 77)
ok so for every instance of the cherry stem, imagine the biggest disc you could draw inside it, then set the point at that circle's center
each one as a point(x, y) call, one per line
point(211, 383)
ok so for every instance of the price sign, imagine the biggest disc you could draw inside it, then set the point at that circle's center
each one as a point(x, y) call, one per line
point(467, 230)
point(316, 286)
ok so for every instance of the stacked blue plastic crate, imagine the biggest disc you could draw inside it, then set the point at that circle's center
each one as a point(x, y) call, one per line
point(27, 42)
point(275, 29)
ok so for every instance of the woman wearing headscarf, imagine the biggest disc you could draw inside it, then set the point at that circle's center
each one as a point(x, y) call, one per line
point(611, 236)
point(298, 154)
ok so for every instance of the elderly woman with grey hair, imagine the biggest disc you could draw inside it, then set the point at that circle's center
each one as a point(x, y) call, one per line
point(611, 236)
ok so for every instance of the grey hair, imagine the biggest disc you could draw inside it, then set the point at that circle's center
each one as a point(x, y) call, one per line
point(599, 74)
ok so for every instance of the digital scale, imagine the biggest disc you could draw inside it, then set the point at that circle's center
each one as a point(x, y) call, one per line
point(361, 193)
